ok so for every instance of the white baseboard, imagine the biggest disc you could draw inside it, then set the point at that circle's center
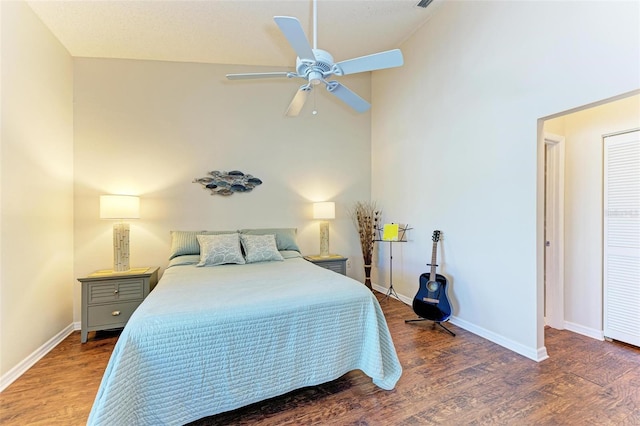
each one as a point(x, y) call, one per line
point(585, 331)
point(17, 371)
point(537, 355)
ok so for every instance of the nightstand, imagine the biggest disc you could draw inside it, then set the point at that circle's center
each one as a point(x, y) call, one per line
point(334, 262)
point(109, 298)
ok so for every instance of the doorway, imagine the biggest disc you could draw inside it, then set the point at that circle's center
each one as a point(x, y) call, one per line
point(570, 267)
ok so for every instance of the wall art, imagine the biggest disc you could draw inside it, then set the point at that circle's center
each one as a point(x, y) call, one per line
point(228, 183)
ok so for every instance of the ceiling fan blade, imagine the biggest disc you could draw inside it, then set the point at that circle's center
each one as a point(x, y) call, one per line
point(298, 102)
point(377, 61)
point(348, 97)
point(294, 33)
point(258, 75)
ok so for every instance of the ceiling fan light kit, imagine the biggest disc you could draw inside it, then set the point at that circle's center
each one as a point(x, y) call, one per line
point(316, 67)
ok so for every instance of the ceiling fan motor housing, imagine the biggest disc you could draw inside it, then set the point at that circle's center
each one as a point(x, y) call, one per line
point(322, 64)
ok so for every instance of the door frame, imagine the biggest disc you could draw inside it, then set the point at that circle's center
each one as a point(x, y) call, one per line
point(554, 230)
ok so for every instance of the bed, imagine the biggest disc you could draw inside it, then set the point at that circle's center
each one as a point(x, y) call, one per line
point(213, 338)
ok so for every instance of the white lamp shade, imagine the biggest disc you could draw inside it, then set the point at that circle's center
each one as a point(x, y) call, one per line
point(325, 210)
point(119, 207)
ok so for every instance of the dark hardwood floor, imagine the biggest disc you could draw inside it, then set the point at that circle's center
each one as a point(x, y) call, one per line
point(462, 380)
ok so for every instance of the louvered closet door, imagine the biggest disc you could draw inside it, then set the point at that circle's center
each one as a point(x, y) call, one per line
point(622, 237)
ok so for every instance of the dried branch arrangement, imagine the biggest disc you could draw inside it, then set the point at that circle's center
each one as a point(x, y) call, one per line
point(365, 217)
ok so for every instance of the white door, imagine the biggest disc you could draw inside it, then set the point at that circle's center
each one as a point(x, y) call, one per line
point(554, 232)
point(621, 263)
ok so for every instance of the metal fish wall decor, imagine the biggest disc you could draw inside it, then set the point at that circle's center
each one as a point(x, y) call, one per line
point(227, 183)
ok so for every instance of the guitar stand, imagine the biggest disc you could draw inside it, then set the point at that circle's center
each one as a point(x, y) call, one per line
point(434, 325)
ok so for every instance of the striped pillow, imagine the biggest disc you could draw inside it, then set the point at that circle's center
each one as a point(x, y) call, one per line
point(186, 242)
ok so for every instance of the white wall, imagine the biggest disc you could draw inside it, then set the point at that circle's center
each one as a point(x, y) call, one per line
point(583, 133)
point(149, 128)
point(36, 266)
point(455, 144)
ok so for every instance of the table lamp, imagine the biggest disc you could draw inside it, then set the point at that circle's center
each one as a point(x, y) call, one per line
point(324, 211)
point(120, 207)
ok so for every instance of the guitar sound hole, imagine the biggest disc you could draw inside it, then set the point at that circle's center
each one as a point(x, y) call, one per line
point(432, 285)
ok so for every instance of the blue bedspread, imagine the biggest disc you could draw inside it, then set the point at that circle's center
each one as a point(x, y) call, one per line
point(213, 339)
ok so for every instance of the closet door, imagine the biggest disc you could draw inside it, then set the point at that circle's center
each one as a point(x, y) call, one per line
point(621, 263)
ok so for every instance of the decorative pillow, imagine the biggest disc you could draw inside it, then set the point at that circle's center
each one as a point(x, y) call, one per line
point(285, 237)
point(260, 248)
point(185, 242)
point(219, 249)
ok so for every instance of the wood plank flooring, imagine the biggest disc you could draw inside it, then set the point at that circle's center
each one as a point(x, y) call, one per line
point(462, 380)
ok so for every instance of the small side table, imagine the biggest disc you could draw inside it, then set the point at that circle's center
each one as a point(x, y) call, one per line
point(334, 262)
point(109, 298)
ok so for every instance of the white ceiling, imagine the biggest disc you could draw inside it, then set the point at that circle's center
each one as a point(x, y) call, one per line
point(226, 31)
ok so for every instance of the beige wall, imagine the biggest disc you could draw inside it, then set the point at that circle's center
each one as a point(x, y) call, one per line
point(36, 266)
point(455, 145)
point(149, 128)
point(583, 133)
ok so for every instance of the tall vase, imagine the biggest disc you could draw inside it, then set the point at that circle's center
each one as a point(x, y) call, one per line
point(367, 276)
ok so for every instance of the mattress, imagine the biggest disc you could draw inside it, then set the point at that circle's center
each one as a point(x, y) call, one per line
point(212, 339)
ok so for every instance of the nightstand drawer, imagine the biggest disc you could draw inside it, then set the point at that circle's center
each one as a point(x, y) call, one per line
point(113, 313)
point(333, 262)
point(111, 291)
point(338, 267)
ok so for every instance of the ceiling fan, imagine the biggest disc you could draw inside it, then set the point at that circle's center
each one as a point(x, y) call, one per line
point(316, 66)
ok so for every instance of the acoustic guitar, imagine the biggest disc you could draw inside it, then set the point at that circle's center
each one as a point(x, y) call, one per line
point(431, 302)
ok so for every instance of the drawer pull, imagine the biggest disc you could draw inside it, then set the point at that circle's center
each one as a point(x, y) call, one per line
point(115, 291)
point(115, 313)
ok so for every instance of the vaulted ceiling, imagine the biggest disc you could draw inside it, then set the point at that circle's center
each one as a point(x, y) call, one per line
point(239, 32)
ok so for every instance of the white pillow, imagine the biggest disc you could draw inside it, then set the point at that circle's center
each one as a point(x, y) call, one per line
point(219, 249)
point(260, 248)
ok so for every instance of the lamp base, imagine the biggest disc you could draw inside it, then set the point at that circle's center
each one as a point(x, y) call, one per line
point(324, 238)
point(121, 247)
